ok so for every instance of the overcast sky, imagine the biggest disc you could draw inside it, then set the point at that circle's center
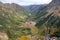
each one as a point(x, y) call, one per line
point(27, 2)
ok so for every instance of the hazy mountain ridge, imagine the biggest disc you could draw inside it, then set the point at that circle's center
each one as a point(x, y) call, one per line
point(34, 8)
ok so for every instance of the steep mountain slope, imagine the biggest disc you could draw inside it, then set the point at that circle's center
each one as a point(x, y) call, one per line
point(51, 11)
point(9, 18)
point(49, 17)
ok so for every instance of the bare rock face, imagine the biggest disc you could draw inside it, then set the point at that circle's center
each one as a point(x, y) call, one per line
point(3, 36)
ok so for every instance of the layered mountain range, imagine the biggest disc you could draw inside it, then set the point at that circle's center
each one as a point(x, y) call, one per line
point(34, 8)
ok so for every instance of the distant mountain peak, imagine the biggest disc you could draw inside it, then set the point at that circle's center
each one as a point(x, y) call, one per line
point(0, 2)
